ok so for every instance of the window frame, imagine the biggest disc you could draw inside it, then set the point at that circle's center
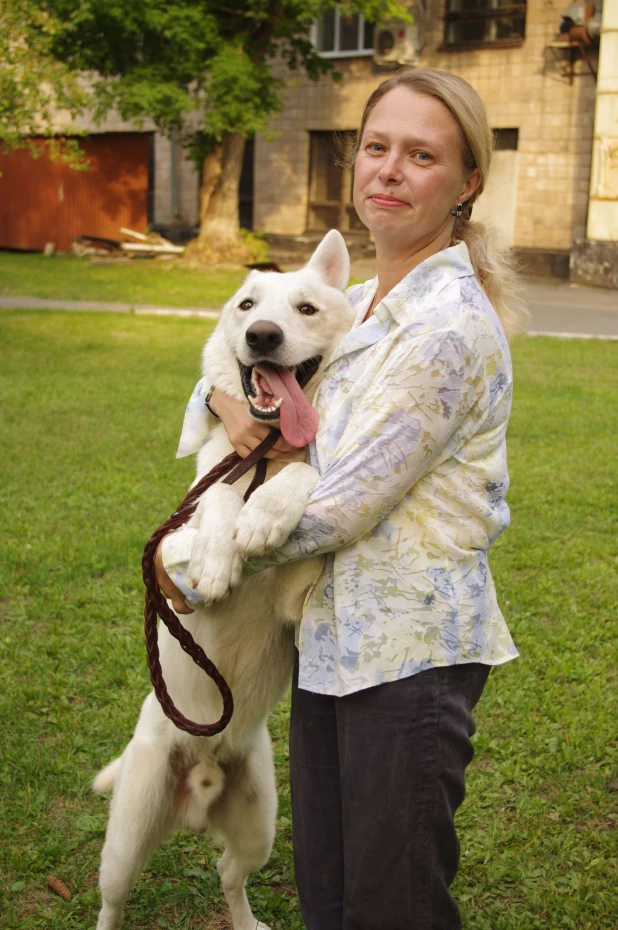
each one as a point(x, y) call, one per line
point(355, 53)
point(489, 13)
point(347, 220)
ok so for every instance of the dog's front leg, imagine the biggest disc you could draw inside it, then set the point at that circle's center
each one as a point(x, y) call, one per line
point(215, 567)
point(274, 510)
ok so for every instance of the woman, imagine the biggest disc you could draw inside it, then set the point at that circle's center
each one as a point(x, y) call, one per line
point(401, 630)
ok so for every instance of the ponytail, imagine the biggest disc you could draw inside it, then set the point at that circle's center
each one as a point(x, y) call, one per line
point(495, 268)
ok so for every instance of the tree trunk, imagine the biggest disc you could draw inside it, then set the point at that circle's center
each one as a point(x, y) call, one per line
point(219, 192)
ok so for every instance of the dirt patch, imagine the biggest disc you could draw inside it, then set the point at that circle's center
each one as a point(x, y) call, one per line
point(219, 921)
point(35, 900)
point(63, 810)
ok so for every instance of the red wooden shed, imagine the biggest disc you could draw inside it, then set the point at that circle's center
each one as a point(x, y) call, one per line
point(45, 201)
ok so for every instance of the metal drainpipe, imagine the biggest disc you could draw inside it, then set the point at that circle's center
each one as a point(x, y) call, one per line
point(174, 173)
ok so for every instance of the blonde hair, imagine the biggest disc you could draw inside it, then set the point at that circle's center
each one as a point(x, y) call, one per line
point(494, 265)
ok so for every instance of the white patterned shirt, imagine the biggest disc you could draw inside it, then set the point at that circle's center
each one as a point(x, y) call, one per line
point(411, 451)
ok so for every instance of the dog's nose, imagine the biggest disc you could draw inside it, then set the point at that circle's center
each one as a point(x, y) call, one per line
point(264, 337)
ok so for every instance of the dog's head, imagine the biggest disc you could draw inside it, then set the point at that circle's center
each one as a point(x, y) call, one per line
point(275, 335)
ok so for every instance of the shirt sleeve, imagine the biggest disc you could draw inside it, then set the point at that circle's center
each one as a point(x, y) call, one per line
point(176, 555)
point(197, 423)
point(409, 416)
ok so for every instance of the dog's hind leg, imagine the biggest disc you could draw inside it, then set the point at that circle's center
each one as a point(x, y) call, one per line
point(141, 814)
point(245, 815)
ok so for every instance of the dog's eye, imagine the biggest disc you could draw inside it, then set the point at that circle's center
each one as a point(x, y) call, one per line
point(246, 305)
point(307, 309)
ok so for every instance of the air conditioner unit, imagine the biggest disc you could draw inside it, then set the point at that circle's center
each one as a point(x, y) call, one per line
point(397, 43)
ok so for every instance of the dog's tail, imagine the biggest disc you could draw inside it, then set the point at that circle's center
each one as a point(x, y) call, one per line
point(106, 779)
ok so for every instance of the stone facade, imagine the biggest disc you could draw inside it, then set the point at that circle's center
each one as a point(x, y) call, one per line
point(528, 88)
point(603, 212)
point(594, 260)
point(182, 207)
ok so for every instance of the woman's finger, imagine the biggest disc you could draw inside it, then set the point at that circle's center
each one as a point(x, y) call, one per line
point(283, 446)
point(180, 606)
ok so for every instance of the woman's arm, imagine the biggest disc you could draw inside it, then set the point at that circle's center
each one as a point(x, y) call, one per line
point(412, 414)
point(244, 431)
point(173, 593)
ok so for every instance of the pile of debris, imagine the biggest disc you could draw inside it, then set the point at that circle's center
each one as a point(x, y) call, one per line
point(150, 245)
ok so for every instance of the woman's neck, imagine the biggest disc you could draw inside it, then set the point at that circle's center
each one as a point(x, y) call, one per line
point(394, 264)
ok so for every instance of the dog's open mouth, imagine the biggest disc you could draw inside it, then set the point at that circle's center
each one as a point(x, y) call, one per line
point(276, 393)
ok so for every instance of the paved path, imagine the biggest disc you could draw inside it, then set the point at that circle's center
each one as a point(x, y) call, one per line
point(569, 310)
point(558, 309)
point(92, 306)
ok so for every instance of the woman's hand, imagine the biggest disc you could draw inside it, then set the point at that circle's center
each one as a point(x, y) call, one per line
point(244, 432)
point(168, 587)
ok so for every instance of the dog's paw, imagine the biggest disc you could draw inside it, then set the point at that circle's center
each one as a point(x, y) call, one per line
point(257, 532)
point(216, 575)
point(215, 567)
point(268, 518)
point(215, 570)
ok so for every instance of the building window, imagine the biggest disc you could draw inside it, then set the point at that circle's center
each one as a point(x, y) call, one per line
point(479, 23)
point(336, 35)
point(506, 139)
point(330, 184)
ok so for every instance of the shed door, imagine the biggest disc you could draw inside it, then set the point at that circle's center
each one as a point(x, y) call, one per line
point(44, 201)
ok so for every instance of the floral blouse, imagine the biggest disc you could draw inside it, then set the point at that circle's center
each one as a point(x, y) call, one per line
point(411, 451)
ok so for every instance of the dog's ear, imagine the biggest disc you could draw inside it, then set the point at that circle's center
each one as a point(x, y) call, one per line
point(331, 260)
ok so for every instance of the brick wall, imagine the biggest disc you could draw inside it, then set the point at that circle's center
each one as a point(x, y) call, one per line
point(186, 186)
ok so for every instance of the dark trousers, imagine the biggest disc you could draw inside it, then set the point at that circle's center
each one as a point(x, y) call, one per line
point(376, 779)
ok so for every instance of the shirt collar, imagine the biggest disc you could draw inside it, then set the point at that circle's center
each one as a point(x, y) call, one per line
point(421, 285)
point(406, 300)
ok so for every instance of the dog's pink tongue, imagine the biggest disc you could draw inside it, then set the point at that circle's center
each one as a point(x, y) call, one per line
point(299, 420)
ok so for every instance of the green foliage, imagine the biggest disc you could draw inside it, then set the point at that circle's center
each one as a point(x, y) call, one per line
point(92, 405)
point(204, 67)
point(255, 240)
point(33, 84)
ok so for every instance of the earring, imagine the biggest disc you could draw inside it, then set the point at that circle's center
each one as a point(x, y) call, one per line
point(458, 211)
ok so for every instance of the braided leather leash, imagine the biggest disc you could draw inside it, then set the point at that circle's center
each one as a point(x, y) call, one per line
point(156, 604)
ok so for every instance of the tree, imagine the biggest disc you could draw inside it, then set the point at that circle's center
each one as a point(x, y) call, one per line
point(34, 86)
point(203, 68)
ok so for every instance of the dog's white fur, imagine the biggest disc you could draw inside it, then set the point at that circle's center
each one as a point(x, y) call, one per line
point(166, 779)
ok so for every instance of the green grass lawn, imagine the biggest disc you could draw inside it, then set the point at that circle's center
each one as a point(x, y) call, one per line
point(91, 410)
point(140, 281)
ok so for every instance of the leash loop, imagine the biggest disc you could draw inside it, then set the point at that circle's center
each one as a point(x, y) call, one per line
point(155, 604)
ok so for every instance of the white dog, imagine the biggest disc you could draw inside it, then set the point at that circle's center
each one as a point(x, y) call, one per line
point(277, 330)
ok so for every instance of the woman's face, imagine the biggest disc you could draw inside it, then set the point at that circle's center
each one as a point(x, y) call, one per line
point(409, 172)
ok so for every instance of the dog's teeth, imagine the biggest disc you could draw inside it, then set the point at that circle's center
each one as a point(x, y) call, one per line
point(251, 400)
point(270, 409)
